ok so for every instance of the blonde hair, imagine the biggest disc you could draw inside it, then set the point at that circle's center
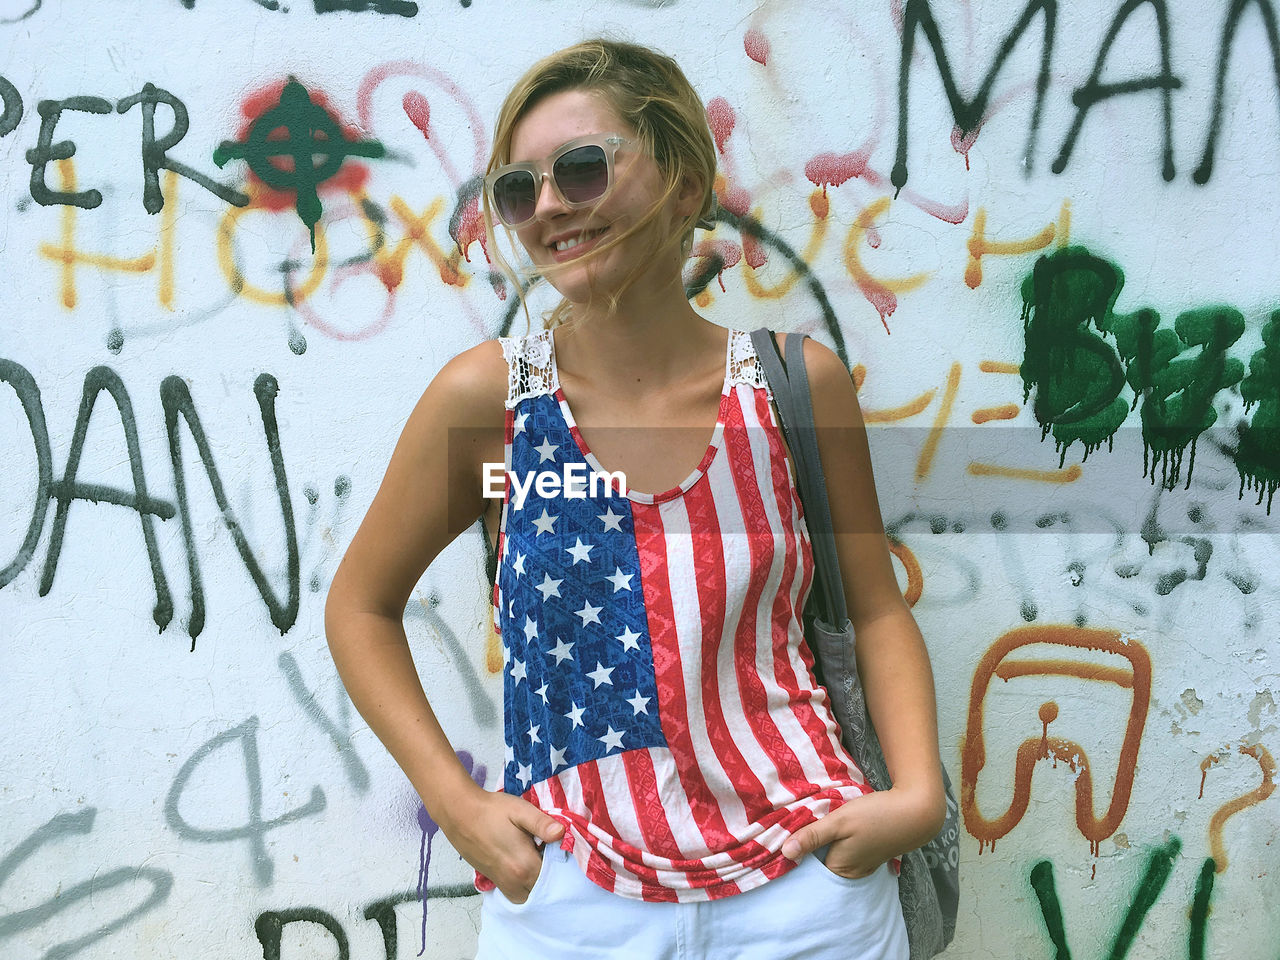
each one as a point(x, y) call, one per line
point(649, 91)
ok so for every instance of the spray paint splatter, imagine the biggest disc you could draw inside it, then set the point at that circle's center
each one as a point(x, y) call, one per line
point(757, 46)
point(1153, 881)
point(429, 829)
point(1076, 374)
point(722, 120)
point(287, 163)
point(831, 169)
point(1258, 455)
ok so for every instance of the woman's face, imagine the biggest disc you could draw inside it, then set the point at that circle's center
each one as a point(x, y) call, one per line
point(637, 184)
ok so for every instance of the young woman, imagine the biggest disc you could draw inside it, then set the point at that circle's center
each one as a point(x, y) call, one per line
point(674, 783)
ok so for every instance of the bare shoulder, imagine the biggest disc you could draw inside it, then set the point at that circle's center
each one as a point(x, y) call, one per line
point(471, 388)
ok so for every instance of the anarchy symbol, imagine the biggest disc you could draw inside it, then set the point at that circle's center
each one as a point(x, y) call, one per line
point(313, 142)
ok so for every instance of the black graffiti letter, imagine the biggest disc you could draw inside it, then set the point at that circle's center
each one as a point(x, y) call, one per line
point(256, 829)
point(68, 489)
point(24, 385)
point(1094, 92)
point(176, 400)
point(403, 8)
point(12, 115)
point(155, 152)
point(65, 824)
point(1205, 170)
point(45, 150)
point(967, 113)
point(270, 928)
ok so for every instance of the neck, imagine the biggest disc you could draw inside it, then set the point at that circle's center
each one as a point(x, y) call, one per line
point(652, 340)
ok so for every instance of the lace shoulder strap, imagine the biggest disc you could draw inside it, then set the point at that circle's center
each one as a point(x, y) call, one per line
point(742, 365)
point(531, 366)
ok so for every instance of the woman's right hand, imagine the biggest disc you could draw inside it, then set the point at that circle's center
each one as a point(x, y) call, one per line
point(495, 833)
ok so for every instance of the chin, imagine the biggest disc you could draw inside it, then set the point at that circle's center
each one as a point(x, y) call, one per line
point(581, 284)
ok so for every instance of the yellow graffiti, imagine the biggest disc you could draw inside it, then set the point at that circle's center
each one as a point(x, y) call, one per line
point(1218, 848)
point(902, 411)
point(1009, 411)
point(997, 366)
point(1065, 475)
point(865, 220)
point(241, 286)
point(69, 256)
point(817, 235)
point(980, 246)
point(930, 448)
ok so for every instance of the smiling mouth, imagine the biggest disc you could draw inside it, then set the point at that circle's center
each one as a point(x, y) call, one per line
point(570, 243)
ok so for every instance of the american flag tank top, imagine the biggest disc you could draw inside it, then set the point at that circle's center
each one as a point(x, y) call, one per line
point(659, 697)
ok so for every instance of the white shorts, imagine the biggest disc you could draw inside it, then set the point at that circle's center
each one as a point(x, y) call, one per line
point(808, 913)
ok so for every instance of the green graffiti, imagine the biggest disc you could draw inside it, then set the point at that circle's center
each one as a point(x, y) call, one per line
point(1200, 909)
point(1258, 456)
point(1177, 392)
point(1078, 375)
point(1075, 372)
point(1159, 866)
point(310, 133)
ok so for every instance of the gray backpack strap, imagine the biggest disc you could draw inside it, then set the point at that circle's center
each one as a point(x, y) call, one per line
point(790, 387)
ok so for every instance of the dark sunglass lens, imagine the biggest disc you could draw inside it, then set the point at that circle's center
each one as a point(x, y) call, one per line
point(582, 174)
point(513, 195)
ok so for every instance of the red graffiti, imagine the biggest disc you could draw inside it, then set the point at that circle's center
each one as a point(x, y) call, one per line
point(418, 111)
point(757, 46)
point(729, 254)
point(831, 169)
point(721, 118)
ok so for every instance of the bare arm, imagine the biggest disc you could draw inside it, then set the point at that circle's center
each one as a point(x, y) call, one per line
point(431, 492)
point(892, 659)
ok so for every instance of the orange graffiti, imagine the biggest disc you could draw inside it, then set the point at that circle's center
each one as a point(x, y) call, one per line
point(997, 366)
point(1217, 847)
point(1005, 411)
point(980, 246)
point(492, 646)
point(915, 577)
point(69, 256)
point(993, 664)
point(391, 259)
point(925, 462)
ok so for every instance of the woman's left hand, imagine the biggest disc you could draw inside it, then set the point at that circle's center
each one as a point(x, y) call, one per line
point(869, 830)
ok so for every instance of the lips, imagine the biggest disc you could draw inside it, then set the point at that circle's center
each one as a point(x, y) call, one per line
point(578, 248)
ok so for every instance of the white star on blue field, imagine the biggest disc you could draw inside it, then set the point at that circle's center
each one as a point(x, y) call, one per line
point(578, 668)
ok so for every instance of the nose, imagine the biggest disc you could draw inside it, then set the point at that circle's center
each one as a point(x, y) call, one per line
point(548, 203)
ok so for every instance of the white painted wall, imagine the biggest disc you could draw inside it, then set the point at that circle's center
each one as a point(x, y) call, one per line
point(136, 756)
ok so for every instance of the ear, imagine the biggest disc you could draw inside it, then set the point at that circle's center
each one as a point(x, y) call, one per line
point(689, 196)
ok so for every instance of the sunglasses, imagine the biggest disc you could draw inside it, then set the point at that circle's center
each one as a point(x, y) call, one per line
point(581, 173)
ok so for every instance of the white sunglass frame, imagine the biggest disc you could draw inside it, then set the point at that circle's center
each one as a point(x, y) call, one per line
point(541, 170)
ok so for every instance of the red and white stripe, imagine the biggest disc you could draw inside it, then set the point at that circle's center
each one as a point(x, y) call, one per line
point(753, 751)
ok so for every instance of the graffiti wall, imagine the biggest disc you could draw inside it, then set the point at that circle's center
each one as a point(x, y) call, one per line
point(238, 239)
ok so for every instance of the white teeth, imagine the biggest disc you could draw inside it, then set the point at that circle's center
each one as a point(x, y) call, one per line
point(569, 244)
